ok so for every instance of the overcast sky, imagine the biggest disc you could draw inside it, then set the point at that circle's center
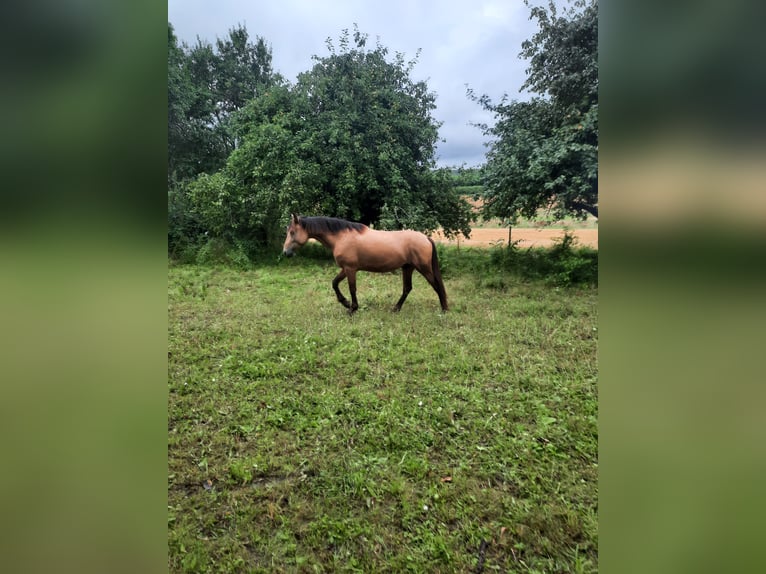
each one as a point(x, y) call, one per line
point(474, 43)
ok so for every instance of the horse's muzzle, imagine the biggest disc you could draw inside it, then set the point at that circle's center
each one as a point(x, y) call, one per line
point(288, 253)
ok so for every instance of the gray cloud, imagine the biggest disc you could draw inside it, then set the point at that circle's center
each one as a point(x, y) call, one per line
point(477, 46)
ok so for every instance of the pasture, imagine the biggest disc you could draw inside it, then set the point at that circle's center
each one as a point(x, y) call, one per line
point(301, 439)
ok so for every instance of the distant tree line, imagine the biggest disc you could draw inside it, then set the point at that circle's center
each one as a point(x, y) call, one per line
point(467, 176)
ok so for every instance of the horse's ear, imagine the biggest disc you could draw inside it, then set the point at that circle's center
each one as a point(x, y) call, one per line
point(294, 218)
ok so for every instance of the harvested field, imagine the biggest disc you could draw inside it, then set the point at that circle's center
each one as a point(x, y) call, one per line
point(527, 237)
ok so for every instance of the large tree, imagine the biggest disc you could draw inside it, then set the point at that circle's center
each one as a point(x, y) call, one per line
point(354, 138)
point(188, 117)
point(207, 86)
point(544, 153)
point(242, 71)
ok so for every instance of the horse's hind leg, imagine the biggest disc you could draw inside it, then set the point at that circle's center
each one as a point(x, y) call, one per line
point(428, 273)
point(335, 282)
point(406, 285)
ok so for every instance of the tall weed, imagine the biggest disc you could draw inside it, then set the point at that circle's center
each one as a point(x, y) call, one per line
point(218, 251)
point(499, 267)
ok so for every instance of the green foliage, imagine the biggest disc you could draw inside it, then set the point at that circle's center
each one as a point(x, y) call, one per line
point(184, 229)
point(545, 151)
point(466, 176)
point(563, 54)
point(502, 267)
point(473, 191)
point(468, 182)
point(207, 86)
point(300, 439)
point(242, 70)
point(540, 162)
point(561, 265)
point(192, 146)
point(354, 138)
point(217, 251)
point(215, 202)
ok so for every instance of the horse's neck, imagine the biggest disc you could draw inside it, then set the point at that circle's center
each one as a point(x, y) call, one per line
point(325, 239)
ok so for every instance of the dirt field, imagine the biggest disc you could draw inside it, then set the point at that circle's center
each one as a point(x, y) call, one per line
point(539, 237)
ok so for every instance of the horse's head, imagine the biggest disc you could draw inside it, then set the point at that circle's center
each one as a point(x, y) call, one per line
point(296, 236)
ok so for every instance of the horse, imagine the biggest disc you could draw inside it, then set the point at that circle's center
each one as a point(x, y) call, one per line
point(356, 247)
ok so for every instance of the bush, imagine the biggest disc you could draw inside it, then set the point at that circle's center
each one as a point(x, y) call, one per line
point(569, 265)
point(218, 251)
point(561, 265)
point(185, 234)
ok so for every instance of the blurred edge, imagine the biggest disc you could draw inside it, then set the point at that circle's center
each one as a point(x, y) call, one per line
point(82, 291)
point(84, 308)
point(682, 265)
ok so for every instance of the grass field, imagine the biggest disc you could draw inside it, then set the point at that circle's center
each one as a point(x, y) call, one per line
point(304, 440)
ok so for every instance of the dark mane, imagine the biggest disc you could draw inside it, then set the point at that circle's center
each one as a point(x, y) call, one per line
point(319, 225)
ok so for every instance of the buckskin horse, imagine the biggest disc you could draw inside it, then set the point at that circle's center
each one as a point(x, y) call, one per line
point(356, 247)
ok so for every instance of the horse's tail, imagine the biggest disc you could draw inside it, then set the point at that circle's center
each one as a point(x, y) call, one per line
point(438, 283)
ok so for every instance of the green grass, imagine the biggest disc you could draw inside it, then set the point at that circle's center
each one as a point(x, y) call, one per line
point(304, 440)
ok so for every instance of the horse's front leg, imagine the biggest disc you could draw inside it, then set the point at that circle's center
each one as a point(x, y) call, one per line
point(351, 274)
point(335, 282)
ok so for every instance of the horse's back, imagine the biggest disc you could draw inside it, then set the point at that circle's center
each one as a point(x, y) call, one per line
point(375, 250)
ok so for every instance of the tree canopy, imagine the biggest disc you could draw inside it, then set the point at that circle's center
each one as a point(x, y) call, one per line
point(353, 138)
point(544, 152)
point(207, 86)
